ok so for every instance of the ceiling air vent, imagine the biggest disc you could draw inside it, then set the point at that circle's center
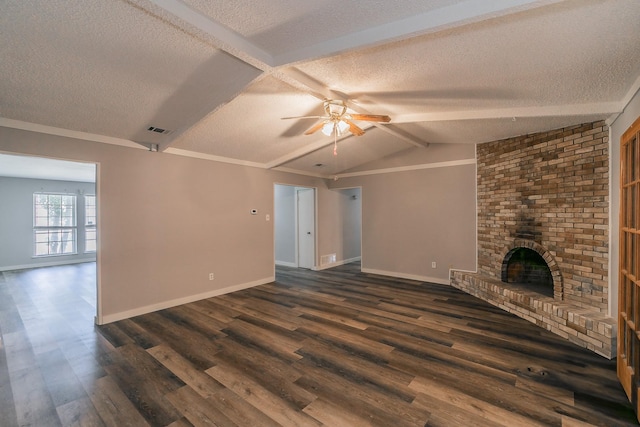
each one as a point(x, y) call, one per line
point(158, 130)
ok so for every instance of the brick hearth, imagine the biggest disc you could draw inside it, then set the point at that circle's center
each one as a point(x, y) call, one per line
point(548, 191)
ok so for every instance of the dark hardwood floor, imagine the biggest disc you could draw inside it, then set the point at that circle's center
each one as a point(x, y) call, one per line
point(334, 348)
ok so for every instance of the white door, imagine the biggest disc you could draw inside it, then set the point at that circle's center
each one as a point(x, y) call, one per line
point(306, 228)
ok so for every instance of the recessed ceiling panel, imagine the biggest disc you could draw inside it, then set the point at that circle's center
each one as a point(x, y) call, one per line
point(108, 68)
point(251, 127)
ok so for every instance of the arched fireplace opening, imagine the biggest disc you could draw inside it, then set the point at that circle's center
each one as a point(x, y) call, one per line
point(528, 264)
point(527, 267)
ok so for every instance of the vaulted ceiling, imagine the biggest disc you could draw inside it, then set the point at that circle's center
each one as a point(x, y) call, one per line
point(219, 76)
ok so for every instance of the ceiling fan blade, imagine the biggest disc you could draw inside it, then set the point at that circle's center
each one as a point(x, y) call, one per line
point(314, 128)
point(353, 128)
point(371, 117)
point(303, 117)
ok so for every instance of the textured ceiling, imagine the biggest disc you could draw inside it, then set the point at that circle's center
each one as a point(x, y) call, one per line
point(219, 76)
point(41, 168)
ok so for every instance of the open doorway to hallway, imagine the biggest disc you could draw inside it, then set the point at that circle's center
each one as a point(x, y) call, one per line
point(330, 219)
point(295, 226)
point(349, 224)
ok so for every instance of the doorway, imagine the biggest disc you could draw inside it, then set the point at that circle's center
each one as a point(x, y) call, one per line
point(50, 215)
point(295, 226)
point(306, 214)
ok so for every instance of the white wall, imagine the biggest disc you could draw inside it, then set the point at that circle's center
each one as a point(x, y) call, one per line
point(16, 221)
point(617, 128)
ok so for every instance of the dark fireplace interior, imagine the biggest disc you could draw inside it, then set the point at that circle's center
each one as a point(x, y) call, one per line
point(527, 267)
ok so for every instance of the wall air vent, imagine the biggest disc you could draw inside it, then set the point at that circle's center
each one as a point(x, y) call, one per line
point(327, 259)
point(158, 130)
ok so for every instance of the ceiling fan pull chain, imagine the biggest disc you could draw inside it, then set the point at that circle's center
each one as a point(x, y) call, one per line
point(335, 143)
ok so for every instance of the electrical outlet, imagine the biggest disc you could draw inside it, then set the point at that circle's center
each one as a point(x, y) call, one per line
point(211, 276)
point(433, 264)
point(267, 217)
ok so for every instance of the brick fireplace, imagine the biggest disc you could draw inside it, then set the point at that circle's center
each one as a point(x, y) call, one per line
point(546, 194)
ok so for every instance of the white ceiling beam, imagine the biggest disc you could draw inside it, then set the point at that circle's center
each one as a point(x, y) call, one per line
point(458, 14)
point(226, 39)
point(517, 112)
point(85, 136)
point(400, 134)
point(635, 87)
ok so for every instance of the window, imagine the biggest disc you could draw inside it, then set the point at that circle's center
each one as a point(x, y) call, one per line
point(89, 223)
point(54, 224)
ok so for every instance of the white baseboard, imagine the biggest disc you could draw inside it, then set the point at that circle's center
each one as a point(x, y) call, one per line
point(419, 278)
point(109, 318)
point(46, 264)
point(337, 263)
point(286, 264)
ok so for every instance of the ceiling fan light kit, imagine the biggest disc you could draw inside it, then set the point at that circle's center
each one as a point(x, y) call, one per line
point(337, 121)
point(339, 127)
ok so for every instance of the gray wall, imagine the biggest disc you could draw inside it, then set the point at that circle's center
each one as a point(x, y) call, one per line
point(166, 221)
point(411, 218)
point(346, 214)
point(16, 221)
point(351, 208)
point(284, 215)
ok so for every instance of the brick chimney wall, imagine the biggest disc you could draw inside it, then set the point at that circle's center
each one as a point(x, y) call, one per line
point(553, 187)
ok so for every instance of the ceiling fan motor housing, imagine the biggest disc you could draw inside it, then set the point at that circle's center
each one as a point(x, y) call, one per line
point(335, 108)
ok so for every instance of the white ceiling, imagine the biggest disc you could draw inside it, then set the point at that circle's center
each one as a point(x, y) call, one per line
point(221, 75)
point(42, 168)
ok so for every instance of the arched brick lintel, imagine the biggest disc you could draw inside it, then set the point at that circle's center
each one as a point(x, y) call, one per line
point(508, 251)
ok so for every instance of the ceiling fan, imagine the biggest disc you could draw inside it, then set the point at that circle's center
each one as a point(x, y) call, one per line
point(338, 120)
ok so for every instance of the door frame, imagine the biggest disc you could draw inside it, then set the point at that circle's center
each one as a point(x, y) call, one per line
point(295, 263)
point(628, 314)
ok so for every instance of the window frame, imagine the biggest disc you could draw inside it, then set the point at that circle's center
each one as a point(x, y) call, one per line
point(90, 227)
point(56, 230)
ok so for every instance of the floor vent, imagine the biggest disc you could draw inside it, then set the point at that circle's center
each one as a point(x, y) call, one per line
point(327, 259)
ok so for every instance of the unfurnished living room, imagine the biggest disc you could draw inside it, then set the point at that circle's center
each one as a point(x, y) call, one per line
point(329, 213)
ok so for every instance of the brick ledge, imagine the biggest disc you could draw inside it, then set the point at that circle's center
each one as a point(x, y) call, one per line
point(585, 327)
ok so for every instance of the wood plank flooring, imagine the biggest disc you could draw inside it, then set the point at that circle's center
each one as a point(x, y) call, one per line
point(333, 348)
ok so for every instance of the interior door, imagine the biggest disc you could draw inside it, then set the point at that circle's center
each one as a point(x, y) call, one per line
point(306, 228)
point(629, 271)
